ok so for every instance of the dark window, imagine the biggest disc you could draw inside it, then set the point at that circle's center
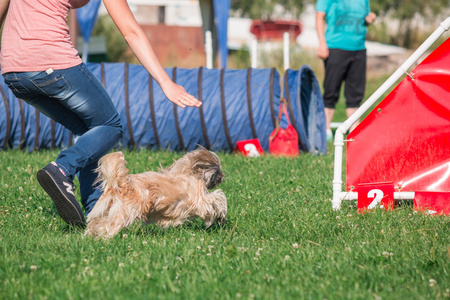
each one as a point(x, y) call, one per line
point(161, 14)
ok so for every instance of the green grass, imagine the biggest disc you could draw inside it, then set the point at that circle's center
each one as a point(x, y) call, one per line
point(282, 240)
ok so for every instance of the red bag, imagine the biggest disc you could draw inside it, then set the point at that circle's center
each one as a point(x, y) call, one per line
point(283, 141)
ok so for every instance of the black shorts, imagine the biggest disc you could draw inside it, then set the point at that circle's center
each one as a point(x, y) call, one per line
point(349, 67)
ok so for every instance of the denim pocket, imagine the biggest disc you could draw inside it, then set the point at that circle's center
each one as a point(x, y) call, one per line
point(18, 89)
point(52, 85)
point(12, 88)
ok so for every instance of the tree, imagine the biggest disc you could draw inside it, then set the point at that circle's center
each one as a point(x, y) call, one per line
point(265, 9)
point(410, 14)
point(117, 48)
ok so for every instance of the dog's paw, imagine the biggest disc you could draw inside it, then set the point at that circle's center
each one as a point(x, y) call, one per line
point(219, 193)
point(220, 206)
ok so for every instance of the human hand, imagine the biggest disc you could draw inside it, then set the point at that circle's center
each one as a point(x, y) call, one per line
point(323, 52)
point(370, 18)
point(178, 95)
point(78, 3)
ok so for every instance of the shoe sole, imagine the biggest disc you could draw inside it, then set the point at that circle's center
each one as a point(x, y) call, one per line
point(65, 208)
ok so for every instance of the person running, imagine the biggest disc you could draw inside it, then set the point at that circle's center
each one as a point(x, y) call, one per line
point(41, 66)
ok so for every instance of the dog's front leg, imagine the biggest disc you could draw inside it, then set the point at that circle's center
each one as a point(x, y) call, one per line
point(108, 223)
point(215, 208)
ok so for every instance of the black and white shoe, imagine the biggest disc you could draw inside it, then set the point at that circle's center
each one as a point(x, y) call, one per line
point(60, 189)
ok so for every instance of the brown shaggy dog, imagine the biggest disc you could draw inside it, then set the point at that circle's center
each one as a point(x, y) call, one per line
point(166, 198)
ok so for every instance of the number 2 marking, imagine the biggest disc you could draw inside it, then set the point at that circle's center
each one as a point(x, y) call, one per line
point(377, 195)
point(251, 150)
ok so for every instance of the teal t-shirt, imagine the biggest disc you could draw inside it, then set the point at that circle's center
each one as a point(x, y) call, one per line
point(345, 19)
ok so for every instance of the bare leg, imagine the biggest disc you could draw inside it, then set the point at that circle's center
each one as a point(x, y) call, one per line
point(349, 112)
point(329, 114)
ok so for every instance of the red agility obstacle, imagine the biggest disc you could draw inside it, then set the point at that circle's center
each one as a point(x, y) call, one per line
point(405, 140)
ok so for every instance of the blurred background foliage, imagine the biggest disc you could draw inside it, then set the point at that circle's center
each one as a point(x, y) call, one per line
point(404, 23)
point(117, 47)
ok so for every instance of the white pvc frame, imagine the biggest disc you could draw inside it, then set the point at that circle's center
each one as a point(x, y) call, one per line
point(209, 49)
point(338, 194)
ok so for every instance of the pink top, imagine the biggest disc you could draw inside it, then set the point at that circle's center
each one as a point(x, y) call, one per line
point(36, 37)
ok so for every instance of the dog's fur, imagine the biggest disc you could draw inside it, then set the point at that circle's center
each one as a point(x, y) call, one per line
point(166, 198)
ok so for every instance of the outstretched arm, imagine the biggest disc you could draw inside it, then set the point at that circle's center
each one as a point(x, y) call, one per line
point(4, 4)
point(140, 45)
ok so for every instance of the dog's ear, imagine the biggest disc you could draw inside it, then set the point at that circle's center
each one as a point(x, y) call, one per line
point(208, 166)
point(212, 177)
point(203, 159)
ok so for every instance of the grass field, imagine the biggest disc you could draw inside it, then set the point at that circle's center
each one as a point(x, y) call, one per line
point(282, 240)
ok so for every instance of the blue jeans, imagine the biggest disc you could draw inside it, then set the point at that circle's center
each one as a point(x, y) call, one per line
point(76, 99)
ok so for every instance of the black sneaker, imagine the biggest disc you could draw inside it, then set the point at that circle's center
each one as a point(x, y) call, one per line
point(60, 189)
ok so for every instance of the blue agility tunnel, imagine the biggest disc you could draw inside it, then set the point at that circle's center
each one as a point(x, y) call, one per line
point(306, 109)
point(237, 105)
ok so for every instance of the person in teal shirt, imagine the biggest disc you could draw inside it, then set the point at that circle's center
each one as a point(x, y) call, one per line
point(342, 47)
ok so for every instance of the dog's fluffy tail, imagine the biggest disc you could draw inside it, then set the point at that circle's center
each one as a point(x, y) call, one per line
point(112, 173)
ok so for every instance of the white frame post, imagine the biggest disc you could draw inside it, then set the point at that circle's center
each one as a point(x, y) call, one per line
point(286, 50)
point(209, 49)
point(254, 53)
